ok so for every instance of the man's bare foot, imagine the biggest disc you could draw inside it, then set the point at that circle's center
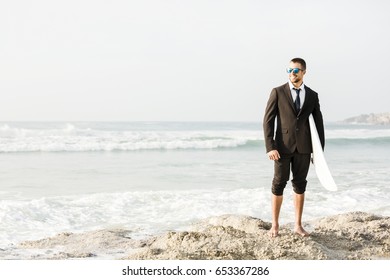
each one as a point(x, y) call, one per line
point(274, 231)
point(301, 231)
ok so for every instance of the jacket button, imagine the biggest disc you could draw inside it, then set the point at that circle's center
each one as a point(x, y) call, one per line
point(297, 129)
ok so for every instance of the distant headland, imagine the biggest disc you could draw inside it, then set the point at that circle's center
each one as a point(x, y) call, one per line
point(381, 119)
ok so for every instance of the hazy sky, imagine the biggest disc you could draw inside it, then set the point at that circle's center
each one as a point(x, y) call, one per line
point(194, 60)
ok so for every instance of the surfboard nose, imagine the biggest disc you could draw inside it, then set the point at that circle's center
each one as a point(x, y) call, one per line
point(321, 167)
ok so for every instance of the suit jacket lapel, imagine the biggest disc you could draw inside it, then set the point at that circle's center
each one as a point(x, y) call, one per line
point(307, 99)
point(289, 97)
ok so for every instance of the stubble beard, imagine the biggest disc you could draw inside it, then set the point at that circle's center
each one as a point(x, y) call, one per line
point(296, 80)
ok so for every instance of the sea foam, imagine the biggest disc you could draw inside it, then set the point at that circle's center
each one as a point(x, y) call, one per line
point(69, 137)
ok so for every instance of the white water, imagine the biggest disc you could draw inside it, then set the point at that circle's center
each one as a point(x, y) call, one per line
point(56, 182)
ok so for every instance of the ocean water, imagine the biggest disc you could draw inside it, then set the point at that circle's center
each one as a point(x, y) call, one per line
point(150, 177)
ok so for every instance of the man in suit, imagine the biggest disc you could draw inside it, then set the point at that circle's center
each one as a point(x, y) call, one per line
point(290, 145)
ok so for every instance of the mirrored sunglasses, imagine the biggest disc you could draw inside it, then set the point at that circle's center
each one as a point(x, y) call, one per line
point(294, 70)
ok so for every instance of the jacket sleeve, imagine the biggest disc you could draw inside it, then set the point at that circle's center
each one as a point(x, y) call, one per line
point(317, 115)
point(271, 112)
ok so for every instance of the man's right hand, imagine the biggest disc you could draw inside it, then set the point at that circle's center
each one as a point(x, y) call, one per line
point(273, 155)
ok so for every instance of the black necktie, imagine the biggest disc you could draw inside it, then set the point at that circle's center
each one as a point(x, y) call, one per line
point(297, 100)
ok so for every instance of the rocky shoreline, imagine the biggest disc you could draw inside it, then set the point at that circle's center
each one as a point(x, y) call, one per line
point(376, 119)
point(350, 236)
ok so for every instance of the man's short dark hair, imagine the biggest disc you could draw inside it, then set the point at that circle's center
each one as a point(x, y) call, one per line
point(300, 61)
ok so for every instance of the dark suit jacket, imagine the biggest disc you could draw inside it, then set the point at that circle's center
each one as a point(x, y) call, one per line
point(292, 131)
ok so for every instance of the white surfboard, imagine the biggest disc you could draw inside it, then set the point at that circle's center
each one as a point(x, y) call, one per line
point(321, 167)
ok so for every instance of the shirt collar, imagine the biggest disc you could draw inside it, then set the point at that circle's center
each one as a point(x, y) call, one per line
point(292, 86)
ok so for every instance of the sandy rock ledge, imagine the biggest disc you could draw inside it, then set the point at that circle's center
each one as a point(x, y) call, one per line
point(355, 235)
